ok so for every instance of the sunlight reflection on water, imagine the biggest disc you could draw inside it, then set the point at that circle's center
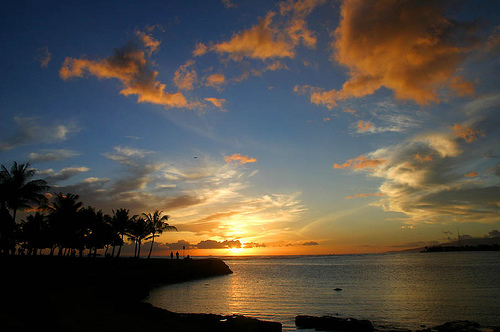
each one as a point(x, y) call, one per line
point(394, 290)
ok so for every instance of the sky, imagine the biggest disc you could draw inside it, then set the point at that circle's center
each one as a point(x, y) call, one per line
point(263, 127)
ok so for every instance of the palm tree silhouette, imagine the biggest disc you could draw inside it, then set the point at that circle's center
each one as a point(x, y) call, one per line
point(34, 233)
point(157, 224)
point(66, 222)
point(136, 233)
point(17, 192)
point(121, 221)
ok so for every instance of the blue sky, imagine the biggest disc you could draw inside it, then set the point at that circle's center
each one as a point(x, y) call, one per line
point(348, 126)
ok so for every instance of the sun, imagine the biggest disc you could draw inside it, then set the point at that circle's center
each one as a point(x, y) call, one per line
point(236, 251)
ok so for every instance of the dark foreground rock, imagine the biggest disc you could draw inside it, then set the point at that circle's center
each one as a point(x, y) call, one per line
point(329, 323)
point(104, 295)
point(460, 326)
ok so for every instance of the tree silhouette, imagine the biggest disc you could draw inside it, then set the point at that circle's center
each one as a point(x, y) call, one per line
point(17, 191)
point(121, 221)
point(136, 233)
point(157, 224)
point(34, 233)
point(66, 222)
point(98, 230)
point(8, 230)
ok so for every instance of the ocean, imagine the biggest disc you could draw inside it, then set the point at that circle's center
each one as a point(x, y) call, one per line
point(400, 290)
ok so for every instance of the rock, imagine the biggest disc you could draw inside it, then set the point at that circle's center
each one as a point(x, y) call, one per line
point(329, 323)
point(455, 326)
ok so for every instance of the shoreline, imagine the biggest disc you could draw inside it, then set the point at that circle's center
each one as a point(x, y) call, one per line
point(101, 294)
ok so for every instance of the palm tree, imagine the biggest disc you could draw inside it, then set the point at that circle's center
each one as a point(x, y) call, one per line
point(157, 224)
point(34, 231)
point(136, 233)
point(66, 222)
point(120, 221)
point(17, 192)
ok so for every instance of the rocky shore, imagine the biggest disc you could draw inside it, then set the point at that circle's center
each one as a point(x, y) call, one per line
point(81, 294)
point(331, 323)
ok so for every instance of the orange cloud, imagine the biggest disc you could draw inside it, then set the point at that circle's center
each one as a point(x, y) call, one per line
point(364, 195)
point(424, 157)
point(350, 111)
point(297, 29)
point(148, 41)
point(259, 42)
point(200, 49)
point(239, 158)
point(467, 133)
point(361, 162)
point(217, 102)
point(363, 126)
point(185, 78)
point(215, 80)
point(130, 66)
point(409, 47)
point(471, 175)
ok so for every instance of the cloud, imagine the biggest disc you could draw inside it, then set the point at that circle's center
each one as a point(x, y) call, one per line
point(211, 244)
point(64, 174)
point(296, 28)
point(364, 195)
point(360, 163)
point(200, 49)
point(237, 157)
point(310, 243)
point(52, 155)
point(31, 131)
point(409, 47)
point(127, 155)
point(363, 126)
point(184, 78)
point(433, 190)
point(423, 158)
point(270, 41)
point(228, 4)
point(43, 56)
point(217, 102)
point(149, 42)
point(131, 67)
point(259, 42)
point(471, 175)
point(468, 134)
point(215, 80)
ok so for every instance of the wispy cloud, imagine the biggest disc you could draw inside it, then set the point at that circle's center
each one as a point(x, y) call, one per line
point(361, 163)
point(423, 179)
point(52, 177)
point(33, 130)
point(52, 155)
point(43, 56)
point(364, 195)
point(237, 157)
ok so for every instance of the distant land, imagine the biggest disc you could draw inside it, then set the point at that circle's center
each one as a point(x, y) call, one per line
point(464, 242)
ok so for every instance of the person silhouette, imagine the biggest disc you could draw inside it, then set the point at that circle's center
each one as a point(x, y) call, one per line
point(177, 255)
point(171, 255)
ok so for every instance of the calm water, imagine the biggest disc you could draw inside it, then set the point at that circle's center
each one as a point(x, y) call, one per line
point(391, 290)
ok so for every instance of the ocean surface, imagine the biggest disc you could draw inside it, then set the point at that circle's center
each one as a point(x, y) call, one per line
point(400, 290)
